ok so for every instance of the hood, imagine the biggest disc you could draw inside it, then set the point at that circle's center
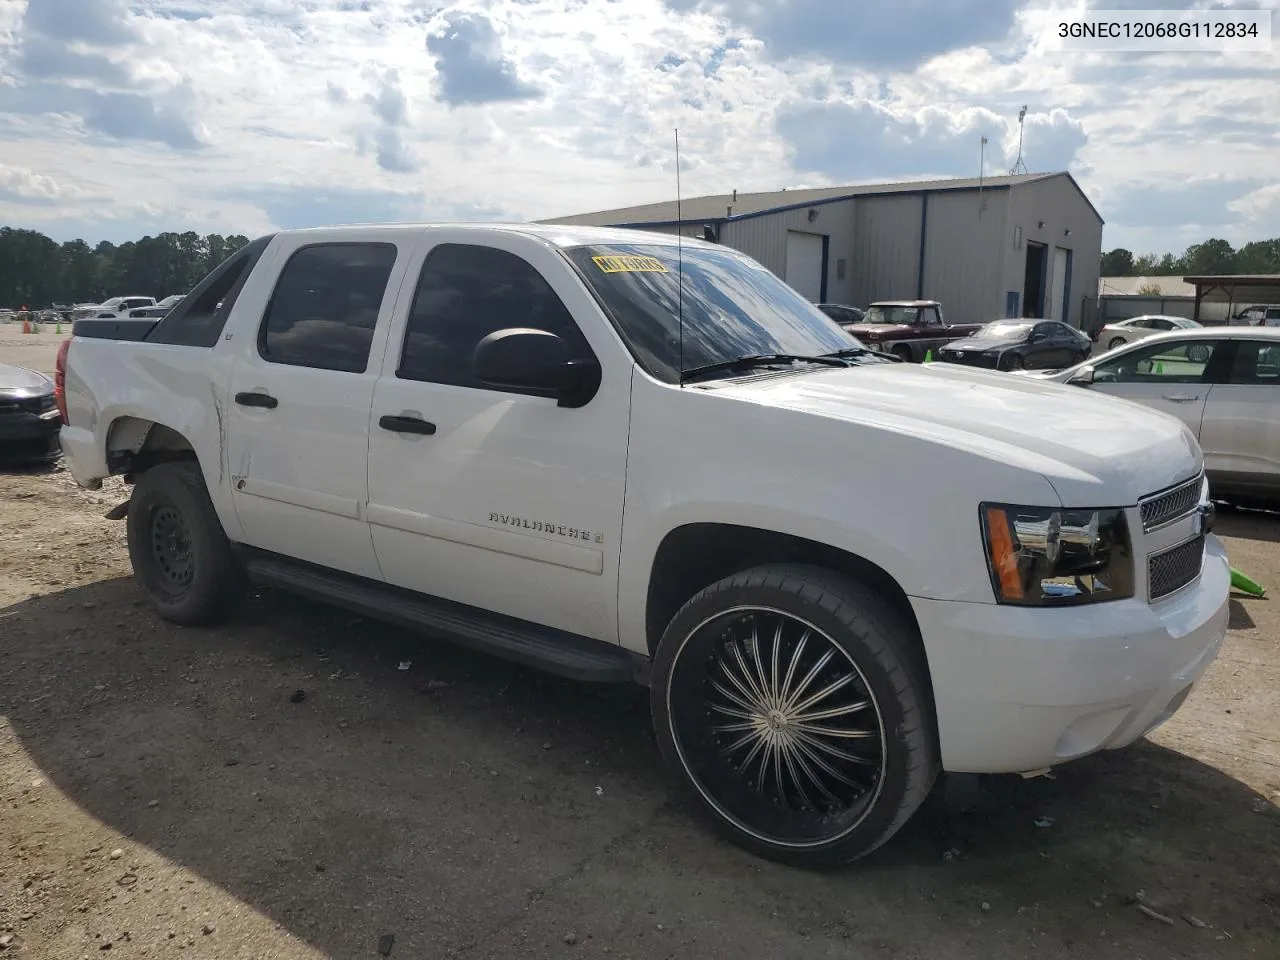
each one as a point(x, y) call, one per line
point(881, 329)
point(983, 343)
point(1095, 450)
point(21, 382)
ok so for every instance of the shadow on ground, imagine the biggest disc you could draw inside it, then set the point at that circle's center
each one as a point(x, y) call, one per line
point(478, 809)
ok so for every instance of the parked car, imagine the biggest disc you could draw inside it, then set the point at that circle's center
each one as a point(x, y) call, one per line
point(142, 313)
point(504, 435)
point(29, 418)
point(1020, 345)
point(909, 329)
point(842, 314)
point(1223, 383)
point(1135, 328)
point(114, 308)
point(1257, 316)
point(171, 301)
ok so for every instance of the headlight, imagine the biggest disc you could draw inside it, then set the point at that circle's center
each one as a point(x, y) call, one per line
point(1048, 556)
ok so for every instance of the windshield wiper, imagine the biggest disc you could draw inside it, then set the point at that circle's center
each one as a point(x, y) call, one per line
point(853, 352)
point(761, 360)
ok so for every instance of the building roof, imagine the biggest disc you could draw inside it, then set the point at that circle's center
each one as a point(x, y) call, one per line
point(1169, 286)
point(1236, 280)
point(725, 207)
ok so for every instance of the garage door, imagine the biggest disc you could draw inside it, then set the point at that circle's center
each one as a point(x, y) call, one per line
point(804, 264)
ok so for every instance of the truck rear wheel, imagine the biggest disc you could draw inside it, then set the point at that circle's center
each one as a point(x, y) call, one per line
point(180, 554)
point(790, 701)
point(903, 352)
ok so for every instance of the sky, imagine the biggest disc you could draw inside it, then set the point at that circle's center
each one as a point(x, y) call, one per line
point(120, 118)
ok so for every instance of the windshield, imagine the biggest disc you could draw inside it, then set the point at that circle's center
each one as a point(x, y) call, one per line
point(732, 307)
point(1004, 328)
point(904, 316)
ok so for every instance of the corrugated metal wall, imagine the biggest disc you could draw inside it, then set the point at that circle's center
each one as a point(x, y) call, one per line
point(886, 252)
point(962, 256)
point(1061, 208)
point(765, 239)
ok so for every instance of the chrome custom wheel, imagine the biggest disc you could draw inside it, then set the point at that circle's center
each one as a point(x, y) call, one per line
point(779, 729)
point(789, 701)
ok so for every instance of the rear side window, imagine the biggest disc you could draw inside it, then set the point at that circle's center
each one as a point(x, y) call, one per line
point(197, 320)
point(1257, 362)
point(465, 292)
point(325, 306)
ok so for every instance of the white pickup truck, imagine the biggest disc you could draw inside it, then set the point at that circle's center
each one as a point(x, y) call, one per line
point(617, 455)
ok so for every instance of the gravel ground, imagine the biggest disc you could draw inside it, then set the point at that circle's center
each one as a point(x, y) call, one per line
point(162, 794)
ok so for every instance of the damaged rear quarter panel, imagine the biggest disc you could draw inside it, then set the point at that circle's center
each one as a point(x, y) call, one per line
point(184, 388)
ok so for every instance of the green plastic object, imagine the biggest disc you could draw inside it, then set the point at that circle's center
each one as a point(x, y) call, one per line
point(1245, 585)
point(928, 356)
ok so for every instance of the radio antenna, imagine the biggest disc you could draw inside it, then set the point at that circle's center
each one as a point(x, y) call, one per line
point(679, 262)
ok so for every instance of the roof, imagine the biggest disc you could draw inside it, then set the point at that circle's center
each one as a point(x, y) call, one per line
point(558, 235)
point(1237, 280)
point(1216, 333)
point(906, 303)
point(1169, 286)
point(728, 207)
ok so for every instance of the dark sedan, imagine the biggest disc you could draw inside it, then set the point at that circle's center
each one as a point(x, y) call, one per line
point(29, 417)
point(1020, 345)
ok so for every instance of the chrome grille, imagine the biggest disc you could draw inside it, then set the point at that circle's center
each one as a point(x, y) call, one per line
point(1169, 505)
point(1170, 571)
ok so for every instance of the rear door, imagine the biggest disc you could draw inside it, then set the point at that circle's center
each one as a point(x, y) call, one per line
point(1240, 434)
point(1172, 376)
point(301, 389)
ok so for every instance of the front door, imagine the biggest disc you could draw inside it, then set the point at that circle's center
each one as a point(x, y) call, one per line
point(1240, 434)
point(502, 500)
point(1171, 377)
point(301, 390)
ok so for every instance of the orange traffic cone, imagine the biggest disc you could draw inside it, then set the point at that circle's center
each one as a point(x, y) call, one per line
point(26, 326)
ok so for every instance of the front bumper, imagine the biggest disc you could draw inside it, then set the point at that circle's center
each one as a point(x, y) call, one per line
point(1022, 689)
point(30, 437)
point(970, 358)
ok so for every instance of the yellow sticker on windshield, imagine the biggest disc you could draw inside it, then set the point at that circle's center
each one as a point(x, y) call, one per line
point(629, 264)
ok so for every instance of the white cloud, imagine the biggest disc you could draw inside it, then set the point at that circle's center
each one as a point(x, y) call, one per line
point(241, 115)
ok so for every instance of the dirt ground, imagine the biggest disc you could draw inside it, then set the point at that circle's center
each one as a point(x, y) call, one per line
point(162, 795)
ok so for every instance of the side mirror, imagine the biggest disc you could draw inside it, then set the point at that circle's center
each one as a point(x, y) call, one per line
point(525, 359)
point(1082, 377)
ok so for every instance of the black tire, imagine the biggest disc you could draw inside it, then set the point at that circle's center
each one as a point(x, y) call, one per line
point(1116, 342)
point(1015, 362)
point(180, 554)
point(897, 762)
point(903, 353)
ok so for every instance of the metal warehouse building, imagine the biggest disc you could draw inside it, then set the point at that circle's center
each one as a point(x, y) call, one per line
point(1025, 245)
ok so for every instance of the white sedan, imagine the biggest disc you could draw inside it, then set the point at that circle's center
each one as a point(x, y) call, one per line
point(1222, 382)
point(1137, 328)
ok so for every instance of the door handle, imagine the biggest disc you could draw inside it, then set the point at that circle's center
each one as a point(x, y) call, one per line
point(1180, 398)
point(399, 424)
point(257, 400)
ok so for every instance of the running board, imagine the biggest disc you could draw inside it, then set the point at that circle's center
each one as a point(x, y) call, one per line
point(544, 648)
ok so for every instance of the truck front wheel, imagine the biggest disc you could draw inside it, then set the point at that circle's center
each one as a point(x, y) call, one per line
point(180, 555)
point(790, 702)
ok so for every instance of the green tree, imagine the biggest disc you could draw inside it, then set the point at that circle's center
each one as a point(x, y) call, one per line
point(1117, 263)
point(1208, 258)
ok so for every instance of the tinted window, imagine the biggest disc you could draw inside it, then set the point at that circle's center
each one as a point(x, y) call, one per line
point(1257, 362)
point(197, 319)
point(325, 306)
point(703, 306)
point(1046, 331)
point(1181, 362)
point(466, 292)
point(929, 317)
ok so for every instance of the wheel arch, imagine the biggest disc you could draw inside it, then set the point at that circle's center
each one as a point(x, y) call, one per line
point(135, 444)
point(695, 555)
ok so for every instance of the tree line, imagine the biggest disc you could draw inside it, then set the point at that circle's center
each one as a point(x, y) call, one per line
point(1211, 258)
point(37, 272)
